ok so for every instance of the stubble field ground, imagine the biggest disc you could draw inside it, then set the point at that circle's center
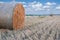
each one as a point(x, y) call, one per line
point(36, 28)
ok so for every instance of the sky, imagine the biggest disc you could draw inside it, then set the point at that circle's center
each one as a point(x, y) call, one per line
point(38, 6)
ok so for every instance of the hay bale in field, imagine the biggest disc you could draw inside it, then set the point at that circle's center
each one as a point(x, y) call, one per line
point(12, 16)
point(51, 14)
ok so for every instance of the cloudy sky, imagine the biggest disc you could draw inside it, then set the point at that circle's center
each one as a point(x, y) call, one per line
point(38, 6)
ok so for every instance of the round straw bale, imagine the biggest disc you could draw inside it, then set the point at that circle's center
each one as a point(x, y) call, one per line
point(12, 16)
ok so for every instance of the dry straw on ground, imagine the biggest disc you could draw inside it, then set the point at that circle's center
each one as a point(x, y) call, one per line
point(12, 16)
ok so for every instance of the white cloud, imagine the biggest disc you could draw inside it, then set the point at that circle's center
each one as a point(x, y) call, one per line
point(49, 3)
point(25, 6)
point(38, 9)
point(22, 2)
point(35, 5)
point(58, 7)
point(39, 6)
point(14, 2)
point(32, 2)
point(46, 7)
point(1, 2)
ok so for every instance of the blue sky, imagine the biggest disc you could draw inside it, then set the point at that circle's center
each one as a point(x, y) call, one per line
point(39, 6)
point(58, 1)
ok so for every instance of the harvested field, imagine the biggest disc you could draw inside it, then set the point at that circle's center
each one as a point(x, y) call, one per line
point(36, 28)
